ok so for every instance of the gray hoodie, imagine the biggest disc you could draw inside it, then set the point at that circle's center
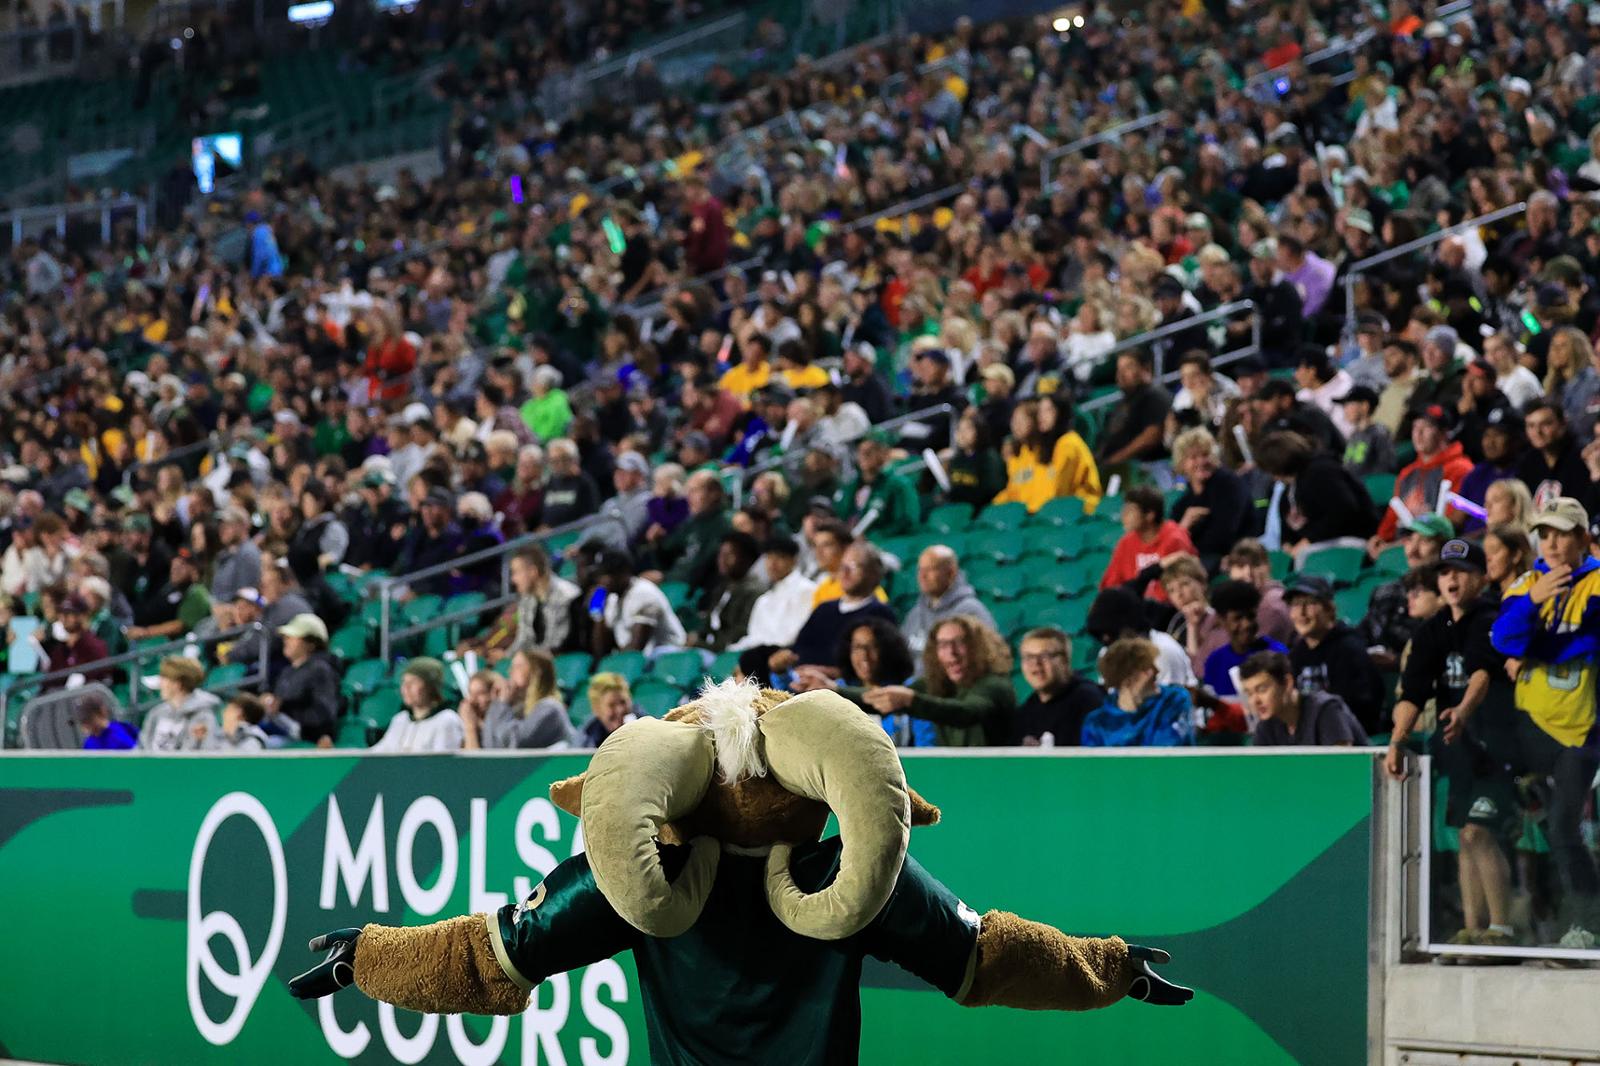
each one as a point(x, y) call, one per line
point(169, 728)
point(546, 725)
point(925, 615)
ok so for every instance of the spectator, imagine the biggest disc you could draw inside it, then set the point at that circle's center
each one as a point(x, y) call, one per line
point(878, 499)
point(862, 386)
point(524, 709)
point(1439, 459)
point(753, 370)
point(1508, 555)
point(1132, 430)
point(186, 717)
point(1368, 447)
point(1309, 273)
point(976, 470)
point(1443, 373)
point(542, 616)
point(689, 552)
point(1290, 716)
point(77, 646)
point(1453, 665)
point(1203, 391)
point(425, 723)
point(1552, 465)
point(1215, 508)
point(238, 565)
point(1499, 443)
point(1238, 604)
point(943, 592)
point(730, 601)
point(1323, 503)
point(1118, 614)
point(1321, 384)
point(100, 731)
point(667, 508)
point(1519, 384)
point(781, 610)
point(706, 238)
point(1149, 539)
point(178, 606)
point(874, 654)
point(630, 613)
point(623, 517)
point(1278, 302)
point(1054, 712)
point(1196, 623)
point(433, 539)
point(546, 413)
point(1387, 623)
point(860, 573)
point(611, 702)
point(569, 493)
point(1548, 623)
point(1329, 656)
point(965, 687)
point(1138, 711)
point(304, 703)
point(241, 730)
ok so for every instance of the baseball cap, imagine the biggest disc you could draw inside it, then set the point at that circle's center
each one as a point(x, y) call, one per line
point(1517, 85)
point(1196, 220)
point(74, 604)
point(865, 351)
point(1359, 218)
point(1430, 524)
point(378, 476)
point(439, 497)
point(415, 413)
point(306, 627)
point(1504, 419)
point(698, 441)
point(1310, 585)
point(428, 669)
point(1439, 415)
point(251, 595)
point(137, 523)
point(1562, 513)
point(1463, 555)
point(1360, 393)
point(78, 500)
point(634, 463)
point(1167, 285)
point(1264, 249)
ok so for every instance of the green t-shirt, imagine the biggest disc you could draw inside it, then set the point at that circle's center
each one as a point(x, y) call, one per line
point(739, 986)
point(893, 497)
point(195, 607)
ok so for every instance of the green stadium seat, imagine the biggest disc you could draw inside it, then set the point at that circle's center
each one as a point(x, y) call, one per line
point(949, 518)
point(1352, 602)
point(677, 593)
point(1380, 487)
point(420, 609)
point(224, 675)
point(904, 548)
point(630, 664)
point(1061, 511)
point(1002, 516)
point(1020, 686)
point(1003, 583)
point(572, 670)
point(1282, 563)
point(1391, 561)
point(723, 666)
point(381, 706)
point(680, 669)
point(579, 711)
point(364, 677)
point(1008, 617)
point(1338, 564)
point(357, 732)
point(349, 643)
point(1086, 655)
point(655, 698)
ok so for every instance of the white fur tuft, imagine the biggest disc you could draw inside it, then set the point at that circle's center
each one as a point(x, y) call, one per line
point(729, 715)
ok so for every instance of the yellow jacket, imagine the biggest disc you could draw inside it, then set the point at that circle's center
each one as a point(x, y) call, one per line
point(742, 381)
point(1070, 472)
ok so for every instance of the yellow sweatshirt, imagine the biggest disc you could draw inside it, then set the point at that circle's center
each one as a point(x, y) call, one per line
point(1070, 472)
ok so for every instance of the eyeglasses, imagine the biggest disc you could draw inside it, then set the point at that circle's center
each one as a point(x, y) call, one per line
point(1040, 658)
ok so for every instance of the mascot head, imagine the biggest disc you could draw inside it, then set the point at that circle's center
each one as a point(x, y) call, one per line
point(749, 768)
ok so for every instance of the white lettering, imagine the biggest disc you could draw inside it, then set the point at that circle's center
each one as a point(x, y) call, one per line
point(355, 868)
point(478, 900)
point(608, 975)
point(536, 813)
point(470, 1054)
point(541, 1026)
point(345, 1044)
point(426, 810)
point(407, 1049)
point(243, 987)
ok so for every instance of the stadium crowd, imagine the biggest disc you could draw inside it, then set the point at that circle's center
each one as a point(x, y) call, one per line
point(775, 423)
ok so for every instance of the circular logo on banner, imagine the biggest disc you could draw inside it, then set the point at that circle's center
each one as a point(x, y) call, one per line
point(244, 986)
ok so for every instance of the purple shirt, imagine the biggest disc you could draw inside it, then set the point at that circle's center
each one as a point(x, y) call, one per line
point(1314, 280)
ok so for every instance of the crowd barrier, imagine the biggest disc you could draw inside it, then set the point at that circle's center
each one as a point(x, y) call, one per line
point(173, 897)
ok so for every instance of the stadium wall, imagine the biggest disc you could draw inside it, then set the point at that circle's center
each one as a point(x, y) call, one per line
point(167, 901)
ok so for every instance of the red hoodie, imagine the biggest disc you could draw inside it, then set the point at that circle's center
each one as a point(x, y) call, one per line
point(1133, 553)
point(1418, 485)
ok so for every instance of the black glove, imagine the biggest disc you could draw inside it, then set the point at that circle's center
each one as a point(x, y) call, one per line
point(332, 973)
point(1149, 986)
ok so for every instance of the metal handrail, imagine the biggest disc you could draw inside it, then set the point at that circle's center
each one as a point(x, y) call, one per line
point(137, 656)
point(1150, 336)
point(18, 217)
point(1103, 137)
point(1361, 266)
point(591, 72)
point(906, 207)
point(461, 614)
point(744, 475)
point(1172, 377)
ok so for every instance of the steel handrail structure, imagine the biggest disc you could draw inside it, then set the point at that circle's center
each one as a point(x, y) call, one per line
point(1165, 377)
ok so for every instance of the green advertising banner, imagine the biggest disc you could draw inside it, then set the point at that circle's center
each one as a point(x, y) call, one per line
point(156, 907)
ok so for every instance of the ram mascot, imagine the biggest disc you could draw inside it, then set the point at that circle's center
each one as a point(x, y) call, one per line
point(703, 858)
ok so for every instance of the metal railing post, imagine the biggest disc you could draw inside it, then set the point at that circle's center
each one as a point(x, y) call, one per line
point(266, 649)
point(383, 619)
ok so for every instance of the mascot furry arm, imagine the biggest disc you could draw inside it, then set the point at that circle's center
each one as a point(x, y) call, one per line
point(703, 858)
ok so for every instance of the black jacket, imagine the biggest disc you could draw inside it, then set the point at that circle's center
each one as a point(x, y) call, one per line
point(1332, 501)
point(309, 693)
point(1282, 321)
point(1340, 665)
point(1232, 515)
point(871, 394)
point(1569, 473)
point(1061, 717)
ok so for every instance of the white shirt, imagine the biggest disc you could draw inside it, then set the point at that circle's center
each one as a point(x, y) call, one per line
point(1172, 662)
point(779, 613)
point(440, 731)
point(643, 604)
point(1521, 386)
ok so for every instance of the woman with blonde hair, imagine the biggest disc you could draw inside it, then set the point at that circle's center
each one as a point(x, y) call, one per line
point(965, 688)
point(526, 709)
point(611, 703)
point(1508, 503)
point(1569, 380)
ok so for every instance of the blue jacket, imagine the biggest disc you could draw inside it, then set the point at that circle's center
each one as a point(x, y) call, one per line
point(1558, 642)
point(1164, 720)
point(119, 736)
point(265, 260)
